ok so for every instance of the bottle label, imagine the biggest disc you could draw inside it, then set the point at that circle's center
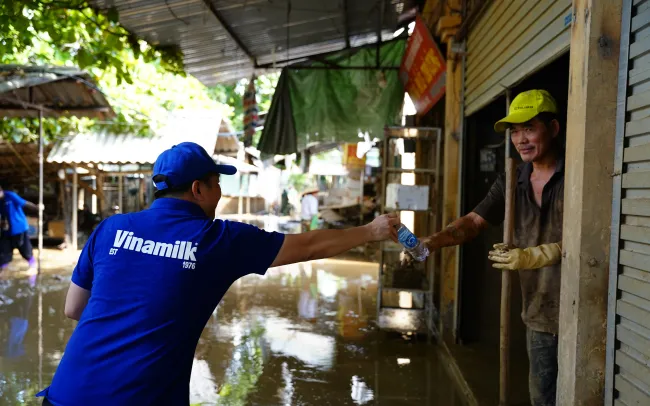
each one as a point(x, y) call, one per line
point(406, 238)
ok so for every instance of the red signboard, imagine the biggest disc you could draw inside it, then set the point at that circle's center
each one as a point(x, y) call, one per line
point(423, 70)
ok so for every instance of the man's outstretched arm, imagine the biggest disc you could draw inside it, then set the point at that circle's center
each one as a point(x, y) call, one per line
point(458, 232)
point(328, 243)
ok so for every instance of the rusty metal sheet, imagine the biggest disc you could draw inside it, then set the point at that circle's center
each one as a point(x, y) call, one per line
point(62, 91)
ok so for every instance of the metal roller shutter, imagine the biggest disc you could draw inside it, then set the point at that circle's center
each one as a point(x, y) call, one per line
point(628, 353)
point(511, 40)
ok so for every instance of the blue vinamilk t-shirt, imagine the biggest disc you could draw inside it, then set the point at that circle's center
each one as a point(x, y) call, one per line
point(11, 208)
point(155, 278)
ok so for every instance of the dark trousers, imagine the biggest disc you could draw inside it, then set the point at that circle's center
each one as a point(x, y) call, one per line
point(542, 378)
point(46, 402)
point(9, 242)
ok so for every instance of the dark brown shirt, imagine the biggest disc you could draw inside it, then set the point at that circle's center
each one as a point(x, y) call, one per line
point(534, 226)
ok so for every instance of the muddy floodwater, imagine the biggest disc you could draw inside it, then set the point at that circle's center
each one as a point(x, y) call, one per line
point(301, 335)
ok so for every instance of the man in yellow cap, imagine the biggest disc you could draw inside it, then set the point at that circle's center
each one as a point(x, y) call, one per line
point(539, 203)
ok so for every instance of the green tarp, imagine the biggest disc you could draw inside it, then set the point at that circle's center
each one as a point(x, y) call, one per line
point(325, 105)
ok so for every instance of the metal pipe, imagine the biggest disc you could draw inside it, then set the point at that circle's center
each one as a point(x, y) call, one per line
point(506, 276)
point(346, 24)
point(459, 205)
point(75, 206)
point(40, 191)
point(381, 5)
point(299, 59)
point(469, 20)
point(329, 67)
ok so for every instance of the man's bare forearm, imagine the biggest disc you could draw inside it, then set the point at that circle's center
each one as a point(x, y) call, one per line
point(31, 207)
point(458, 232)
point(329, 243)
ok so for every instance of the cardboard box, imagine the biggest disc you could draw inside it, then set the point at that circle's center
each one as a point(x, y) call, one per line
point(407, 197)
point(56, 229)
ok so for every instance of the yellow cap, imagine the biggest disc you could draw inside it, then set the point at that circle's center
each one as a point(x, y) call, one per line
point(525, 107)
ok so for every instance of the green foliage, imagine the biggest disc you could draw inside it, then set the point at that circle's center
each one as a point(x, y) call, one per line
point(244, 372)
point(141, 82)
point(299, 181)
point(78, 33)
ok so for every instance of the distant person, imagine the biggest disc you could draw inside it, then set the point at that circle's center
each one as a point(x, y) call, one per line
point(146, 284)
point(15, 229)
point(309, 208)
point(285, 207)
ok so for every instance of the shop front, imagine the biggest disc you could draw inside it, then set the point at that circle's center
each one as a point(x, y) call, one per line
point(498, 49)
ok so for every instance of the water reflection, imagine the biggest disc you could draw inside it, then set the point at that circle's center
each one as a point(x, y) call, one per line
point(301, 335)
point(28, 356)
point(361, 394)
point(314, 350)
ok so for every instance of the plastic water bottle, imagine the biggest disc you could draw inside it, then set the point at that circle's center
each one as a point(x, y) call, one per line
point(415, 247)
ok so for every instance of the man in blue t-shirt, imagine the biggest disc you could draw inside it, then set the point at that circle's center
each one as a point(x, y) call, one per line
point(13, 223)
point(146, 284)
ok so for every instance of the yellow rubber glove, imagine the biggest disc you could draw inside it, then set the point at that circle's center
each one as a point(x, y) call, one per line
point(517, 259)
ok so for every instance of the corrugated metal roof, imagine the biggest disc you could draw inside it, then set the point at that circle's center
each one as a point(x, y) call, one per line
point(108, 148)
point(62, 91)
point(256, 32)
point(227, 144)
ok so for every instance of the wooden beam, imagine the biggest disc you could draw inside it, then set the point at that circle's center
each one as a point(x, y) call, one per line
point(448, 22)
point(99, 193)
point(90, 189)
point(449, 284)
point(448, 34)
point(20, 158)
point(591, 125)
point(92, 169)
point(226, 26)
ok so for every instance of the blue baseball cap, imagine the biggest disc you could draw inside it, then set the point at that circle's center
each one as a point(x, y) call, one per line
point(184, 163)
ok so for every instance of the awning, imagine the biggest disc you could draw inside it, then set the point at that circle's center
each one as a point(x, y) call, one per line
point(313, 103)
point(223, 41)
point(33, 91)
point(59, 91)
point(108, 148)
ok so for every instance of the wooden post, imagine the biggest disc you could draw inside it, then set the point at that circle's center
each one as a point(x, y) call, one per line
point(75, 207)
point(40, 189)
point(451, 196)
point(506, 276)
point(588, 185)
point(120, 192)
point(248, 195)
point(101, 201)
point(240, 202)
point(362, 179)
